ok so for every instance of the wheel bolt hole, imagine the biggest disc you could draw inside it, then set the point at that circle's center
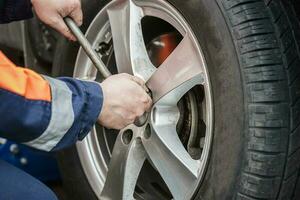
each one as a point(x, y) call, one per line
point(127, 136)
point(103, 48)
point(147, 133)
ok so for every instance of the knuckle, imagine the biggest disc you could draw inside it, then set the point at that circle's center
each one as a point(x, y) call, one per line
point(148, 105)
point(112, 126)
point(121, 126)
point(53, 21)
point(131, 121)
point(133, 89)
point(131, 117)
point(123, 75)
point(140, 112)
point(67, 34)
point(72, 5)
point(138, 79)
point(77, 3)
point(67, 10)
point(66, 30)
point(129, 76)
point(149, 101)
point(63, 11)
point(144, 99)
point(127, 122)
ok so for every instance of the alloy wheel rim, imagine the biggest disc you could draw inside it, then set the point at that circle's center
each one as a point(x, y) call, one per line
point(184, 69)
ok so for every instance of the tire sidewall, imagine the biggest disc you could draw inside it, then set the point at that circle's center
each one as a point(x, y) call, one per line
point(226, 158)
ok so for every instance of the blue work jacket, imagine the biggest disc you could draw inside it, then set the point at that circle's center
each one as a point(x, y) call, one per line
point(42, 112)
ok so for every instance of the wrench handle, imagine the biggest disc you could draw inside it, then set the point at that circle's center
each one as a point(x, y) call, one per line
point(87, 47)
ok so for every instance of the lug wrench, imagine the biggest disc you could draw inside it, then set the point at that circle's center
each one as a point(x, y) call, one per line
point(87, 47)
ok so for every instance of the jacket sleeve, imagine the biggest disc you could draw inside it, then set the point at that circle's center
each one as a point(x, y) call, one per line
point(14, 10)
point(45, 113)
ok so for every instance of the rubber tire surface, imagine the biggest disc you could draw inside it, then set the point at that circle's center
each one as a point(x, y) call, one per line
point(251, 49)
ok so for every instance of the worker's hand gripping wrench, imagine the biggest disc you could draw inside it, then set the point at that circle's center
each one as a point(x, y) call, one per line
point(87, 47)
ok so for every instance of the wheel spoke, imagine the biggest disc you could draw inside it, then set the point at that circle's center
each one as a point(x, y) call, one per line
point(168, 155)
point(130, 51)
point(182, 65)
point(124, 168)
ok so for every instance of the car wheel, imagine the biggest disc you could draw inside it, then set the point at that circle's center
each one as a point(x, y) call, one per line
point(224, 77)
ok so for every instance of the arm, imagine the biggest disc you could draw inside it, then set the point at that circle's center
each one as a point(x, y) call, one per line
point(51, 114)
point(12, 10)
point(51, 12)
point(45, 113)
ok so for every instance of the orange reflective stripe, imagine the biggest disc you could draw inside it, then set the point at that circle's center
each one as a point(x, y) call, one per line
point(23, 81)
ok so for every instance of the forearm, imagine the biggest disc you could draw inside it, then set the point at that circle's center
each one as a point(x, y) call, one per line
point(45, 113)
point(75, 108)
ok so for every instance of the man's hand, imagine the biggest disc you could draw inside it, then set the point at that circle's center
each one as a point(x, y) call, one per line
point(125, 99)
point(52, 12)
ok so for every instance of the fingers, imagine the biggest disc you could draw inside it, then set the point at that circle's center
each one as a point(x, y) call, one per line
point(144, 103)
point(137, 80)
point(148, 104)
point(146, 99)
point(53, 13)
point(140, 82)
point(127, 100)
point(61, 27)
point(76, 13)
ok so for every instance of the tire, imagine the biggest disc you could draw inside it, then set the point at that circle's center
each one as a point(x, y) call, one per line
point(251, 49)
point(42, 39)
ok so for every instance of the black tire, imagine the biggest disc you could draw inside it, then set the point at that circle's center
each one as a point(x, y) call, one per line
point(251, 48)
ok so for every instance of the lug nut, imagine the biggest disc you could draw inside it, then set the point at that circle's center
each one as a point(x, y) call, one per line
point(103, 48)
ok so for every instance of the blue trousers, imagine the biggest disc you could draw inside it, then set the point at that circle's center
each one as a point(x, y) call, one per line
point(18, 185)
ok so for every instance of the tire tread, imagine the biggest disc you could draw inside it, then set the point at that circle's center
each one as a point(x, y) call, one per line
point(265, 37)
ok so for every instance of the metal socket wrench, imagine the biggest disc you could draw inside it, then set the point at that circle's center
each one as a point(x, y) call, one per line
point(87, 47)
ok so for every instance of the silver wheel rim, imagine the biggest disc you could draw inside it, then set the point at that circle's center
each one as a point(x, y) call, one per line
point(180, 72)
